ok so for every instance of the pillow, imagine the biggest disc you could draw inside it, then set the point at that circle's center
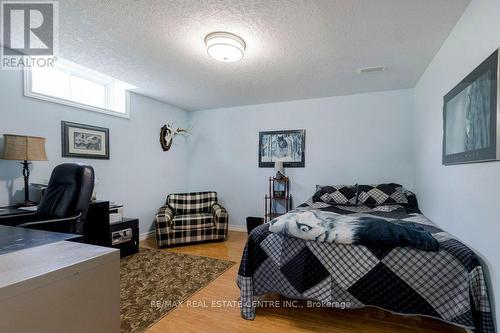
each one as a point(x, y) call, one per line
point(336, 194)
point(381, 194)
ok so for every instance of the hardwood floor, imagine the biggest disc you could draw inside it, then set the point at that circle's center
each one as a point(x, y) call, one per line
point(227, 319)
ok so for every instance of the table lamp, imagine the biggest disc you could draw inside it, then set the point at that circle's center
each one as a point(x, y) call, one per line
point(279, 168)
point(24, 148)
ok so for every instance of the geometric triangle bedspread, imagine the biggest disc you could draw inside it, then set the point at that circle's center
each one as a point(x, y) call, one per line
point(448, 285)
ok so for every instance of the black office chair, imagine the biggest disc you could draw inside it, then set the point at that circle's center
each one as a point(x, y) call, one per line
point(64, 205)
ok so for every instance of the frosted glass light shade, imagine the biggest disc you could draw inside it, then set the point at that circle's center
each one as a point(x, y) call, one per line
point(225, 46)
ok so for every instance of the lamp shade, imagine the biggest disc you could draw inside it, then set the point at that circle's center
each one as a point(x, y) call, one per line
point(24, 148)
point(278, 166)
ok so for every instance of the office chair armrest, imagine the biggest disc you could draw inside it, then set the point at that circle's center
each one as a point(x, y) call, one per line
point(68, 224)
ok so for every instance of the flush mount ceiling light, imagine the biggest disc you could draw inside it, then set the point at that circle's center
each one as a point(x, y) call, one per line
point(225, 46)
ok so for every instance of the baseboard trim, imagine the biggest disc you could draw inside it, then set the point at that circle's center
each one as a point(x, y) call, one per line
point(146, 235)
point(240, 228)
point(150, 234)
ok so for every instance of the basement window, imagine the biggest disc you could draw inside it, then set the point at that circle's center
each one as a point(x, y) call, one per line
point(74, 85)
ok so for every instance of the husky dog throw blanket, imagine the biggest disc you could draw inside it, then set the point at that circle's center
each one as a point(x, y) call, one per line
point(344, 229)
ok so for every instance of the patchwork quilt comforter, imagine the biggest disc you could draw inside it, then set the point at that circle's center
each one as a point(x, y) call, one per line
point(448, 285)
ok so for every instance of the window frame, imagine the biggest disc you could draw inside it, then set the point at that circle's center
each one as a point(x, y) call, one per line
point(86, 74)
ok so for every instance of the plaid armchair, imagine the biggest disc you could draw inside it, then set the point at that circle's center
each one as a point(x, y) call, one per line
point(190, 218)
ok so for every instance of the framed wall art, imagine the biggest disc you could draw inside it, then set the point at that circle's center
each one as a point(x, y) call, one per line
point(84, 141)
point(471, 116)
point(287, 146)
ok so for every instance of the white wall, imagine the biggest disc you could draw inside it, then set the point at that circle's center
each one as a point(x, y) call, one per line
point(361, 138)
point(463, 199)
point(138, 175)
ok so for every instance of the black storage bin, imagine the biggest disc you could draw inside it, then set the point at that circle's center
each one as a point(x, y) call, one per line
point(253, 222)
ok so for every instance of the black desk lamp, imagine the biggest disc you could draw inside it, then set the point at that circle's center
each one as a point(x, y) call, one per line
point(24, 148)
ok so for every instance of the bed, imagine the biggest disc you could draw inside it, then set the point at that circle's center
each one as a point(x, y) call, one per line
point(447, 285)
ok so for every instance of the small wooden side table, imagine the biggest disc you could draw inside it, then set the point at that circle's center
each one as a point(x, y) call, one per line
point(279, 195)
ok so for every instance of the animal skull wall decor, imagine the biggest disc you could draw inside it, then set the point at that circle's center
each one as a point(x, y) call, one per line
point(167, 134)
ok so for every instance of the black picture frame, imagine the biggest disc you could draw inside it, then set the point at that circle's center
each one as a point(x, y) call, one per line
point(68, 151)
point(301, 133)
point(477, 124)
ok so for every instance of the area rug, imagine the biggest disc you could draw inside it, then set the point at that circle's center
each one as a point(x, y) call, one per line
point(153, 282)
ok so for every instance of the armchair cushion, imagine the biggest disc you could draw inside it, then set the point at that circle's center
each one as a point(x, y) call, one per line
point(193, 221)
point(191, 203)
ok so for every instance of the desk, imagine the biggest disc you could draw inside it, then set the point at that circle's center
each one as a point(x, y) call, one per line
point(15, 239)
point(13, 211)
point(48, 284)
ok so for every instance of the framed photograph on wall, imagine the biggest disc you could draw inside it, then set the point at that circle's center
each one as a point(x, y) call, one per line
point(287, 146)
point(84, 141)
point(471, 116)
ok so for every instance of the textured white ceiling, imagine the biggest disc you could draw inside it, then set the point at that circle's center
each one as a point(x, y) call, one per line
point(295, 49)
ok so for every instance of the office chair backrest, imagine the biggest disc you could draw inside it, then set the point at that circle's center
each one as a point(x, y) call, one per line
point(69, 191)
